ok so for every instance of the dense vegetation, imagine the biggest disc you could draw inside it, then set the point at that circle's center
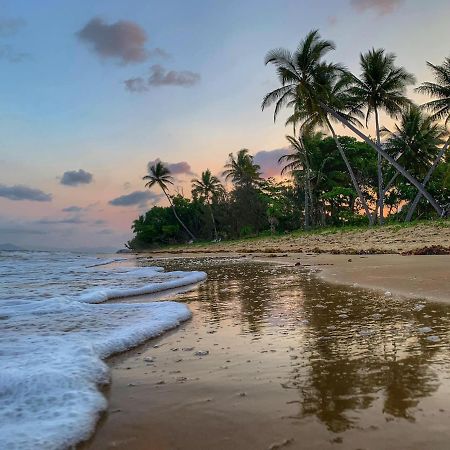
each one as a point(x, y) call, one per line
point(401, 174)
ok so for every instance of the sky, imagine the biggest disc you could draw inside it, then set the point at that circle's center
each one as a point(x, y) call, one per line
point(94, 90)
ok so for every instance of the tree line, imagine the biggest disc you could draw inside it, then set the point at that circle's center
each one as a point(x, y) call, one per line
point(400, 174)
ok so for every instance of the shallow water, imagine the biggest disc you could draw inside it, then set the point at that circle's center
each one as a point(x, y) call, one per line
point(293, 362)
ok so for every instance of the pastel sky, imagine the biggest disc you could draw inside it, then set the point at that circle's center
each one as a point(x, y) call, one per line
point(92, 90)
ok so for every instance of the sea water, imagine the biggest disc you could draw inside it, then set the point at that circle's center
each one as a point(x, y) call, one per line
point(56, 330)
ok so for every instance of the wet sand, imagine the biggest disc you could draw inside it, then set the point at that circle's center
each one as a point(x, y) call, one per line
point(292, 362)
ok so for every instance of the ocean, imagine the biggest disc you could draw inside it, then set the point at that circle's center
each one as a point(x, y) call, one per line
point(56, 330)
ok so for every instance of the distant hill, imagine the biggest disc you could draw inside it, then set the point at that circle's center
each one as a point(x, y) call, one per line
point(10, 248)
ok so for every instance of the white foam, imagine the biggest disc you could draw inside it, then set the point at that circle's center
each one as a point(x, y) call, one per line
point(51, 353)
point(105, 262)
point(102, 295)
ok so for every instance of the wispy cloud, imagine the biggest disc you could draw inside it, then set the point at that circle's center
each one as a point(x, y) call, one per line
point(177, 168)
point(9, 27)
point(160, 76)
point(9, 54)
point(268, 160)
point(68, 220)
point(21, 192)
point(72, 209)
point(139, 198)
point(123, 41)
point(381, 6)
point(76, 177)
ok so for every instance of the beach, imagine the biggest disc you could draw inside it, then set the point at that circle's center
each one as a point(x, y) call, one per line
point(423, 238)
point(297, 351)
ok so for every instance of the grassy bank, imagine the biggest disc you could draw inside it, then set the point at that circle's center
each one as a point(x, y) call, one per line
point(419, 237)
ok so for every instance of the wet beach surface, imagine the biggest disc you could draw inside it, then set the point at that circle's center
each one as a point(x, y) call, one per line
point(275, 358)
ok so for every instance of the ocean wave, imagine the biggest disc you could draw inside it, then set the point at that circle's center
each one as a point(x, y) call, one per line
point(52, 351)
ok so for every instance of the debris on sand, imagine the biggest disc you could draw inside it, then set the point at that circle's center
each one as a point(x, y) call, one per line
point(277, 445)
point(429, 250)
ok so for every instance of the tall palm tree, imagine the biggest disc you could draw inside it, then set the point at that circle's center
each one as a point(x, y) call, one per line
point(297, 163)
point(440, 110)
point(380, 86)
point(208, 187)
point(416, 138)
point(241, 169)
point(306, 82)
point(159, 175)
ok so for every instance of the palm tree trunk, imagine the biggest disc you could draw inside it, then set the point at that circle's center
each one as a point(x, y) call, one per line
point(380, 173)
point(216, 237)
point(306, 221)
point(176, 216)
point(350, 171)
point(388, 157)
point(308, 193)
point(416, 201)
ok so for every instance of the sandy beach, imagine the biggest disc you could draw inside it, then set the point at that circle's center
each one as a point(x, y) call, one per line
point(391, 239)
point(276, 356)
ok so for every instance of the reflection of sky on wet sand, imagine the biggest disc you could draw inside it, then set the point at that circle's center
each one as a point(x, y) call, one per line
point(356, 359)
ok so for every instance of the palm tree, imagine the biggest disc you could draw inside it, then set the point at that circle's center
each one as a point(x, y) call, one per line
point(208, 187)
point(241, 170)
point(381, 86)
point(298, 164)
point(390, 159)
point(300, 75)
point(415, 139)
point(440, 110)
point(159, 175)
point(306, 82)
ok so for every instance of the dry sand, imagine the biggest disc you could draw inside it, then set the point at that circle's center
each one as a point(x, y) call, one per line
point(388, 239)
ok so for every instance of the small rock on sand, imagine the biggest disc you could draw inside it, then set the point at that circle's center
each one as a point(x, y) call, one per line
point(277, 445)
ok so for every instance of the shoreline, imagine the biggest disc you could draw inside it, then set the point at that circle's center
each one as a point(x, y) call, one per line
point(211, 396)
point(411, 276)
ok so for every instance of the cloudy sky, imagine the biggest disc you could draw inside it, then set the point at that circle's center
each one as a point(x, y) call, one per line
point(94, 90)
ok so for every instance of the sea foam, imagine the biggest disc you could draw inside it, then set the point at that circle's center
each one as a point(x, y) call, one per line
point(52, 351)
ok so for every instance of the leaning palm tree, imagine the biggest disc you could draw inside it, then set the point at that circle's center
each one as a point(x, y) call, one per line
point(381, 86)
point(242, 170)
point(208, 187)
point(159, 175)
point(306, 83)
point(416, 139)
point(440, 110)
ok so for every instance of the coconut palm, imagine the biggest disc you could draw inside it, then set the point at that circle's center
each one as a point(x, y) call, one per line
point(380, 86)
point(306, 83)
point(416, 138)
point(297, 164)
point(159, 175)
point(241, 169)
point(389, 158)
point(440, 110)
point(208, 187)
